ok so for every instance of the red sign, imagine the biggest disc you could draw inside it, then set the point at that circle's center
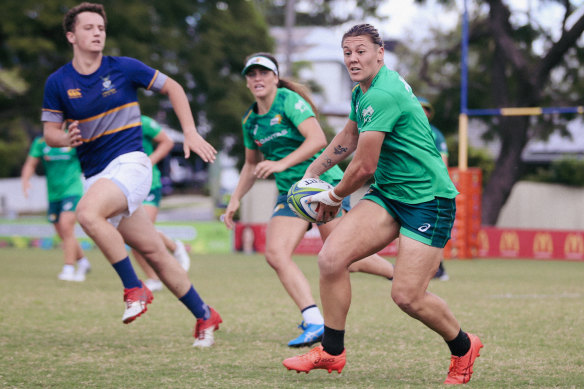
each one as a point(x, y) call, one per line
point(491, 242)
point(535, 244)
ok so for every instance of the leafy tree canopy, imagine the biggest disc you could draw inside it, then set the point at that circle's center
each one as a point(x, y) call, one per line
point(514, 61)
point(319, 12)
point(201, 44)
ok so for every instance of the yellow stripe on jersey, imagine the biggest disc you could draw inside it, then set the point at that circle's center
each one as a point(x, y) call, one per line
point(51, 110)
point(247, 115)
point(131, 125)
point(135, 103)
point(152, 82)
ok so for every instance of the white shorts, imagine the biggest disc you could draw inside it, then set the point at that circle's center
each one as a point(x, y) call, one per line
point(132, 173)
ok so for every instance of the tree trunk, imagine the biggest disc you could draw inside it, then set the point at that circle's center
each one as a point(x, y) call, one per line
point(508, 167)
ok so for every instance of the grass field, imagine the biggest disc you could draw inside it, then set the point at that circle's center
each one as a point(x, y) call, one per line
point(529, 315)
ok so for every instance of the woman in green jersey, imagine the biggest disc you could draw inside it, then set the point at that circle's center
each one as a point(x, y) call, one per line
point(412, 200)
point(64, 190)
point(282, 137)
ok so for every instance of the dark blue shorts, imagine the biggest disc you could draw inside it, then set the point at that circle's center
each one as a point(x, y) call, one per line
point(67, 204)
point(153, 197)
point(429, 222)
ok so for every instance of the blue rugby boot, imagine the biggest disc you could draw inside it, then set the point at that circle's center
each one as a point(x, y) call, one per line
point(312, 333)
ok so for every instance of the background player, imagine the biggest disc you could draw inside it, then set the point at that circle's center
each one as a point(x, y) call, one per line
point(282, 136)
point(442, 147)
point(157, 144)
point(64, 189)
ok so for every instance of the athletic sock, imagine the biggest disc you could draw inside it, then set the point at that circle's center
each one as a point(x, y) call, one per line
point(460, 345)
point(68, 269)
point(83, 263)
point(195, 304)
point(127, 274)
point(333, 341)
point(311, 315)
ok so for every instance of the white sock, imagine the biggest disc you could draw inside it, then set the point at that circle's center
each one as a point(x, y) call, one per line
point(179, 246)
point(83, 263)
point(312, 316)
point(68, 269)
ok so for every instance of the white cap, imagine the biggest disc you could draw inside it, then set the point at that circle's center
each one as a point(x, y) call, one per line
point(260, 61)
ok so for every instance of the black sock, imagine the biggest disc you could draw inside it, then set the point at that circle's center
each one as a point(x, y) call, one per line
point(459, 345)
point(333, 341)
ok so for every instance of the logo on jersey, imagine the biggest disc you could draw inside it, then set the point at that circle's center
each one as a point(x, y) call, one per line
point(63, 156)
point(301, 105)
point(74, 93)
point(255, 129)
point(107, 87)
point(406, 85)
point(276, 120)
point(261, 142)
point(367, 113)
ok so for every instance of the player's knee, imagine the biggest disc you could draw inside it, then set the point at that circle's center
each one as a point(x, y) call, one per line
point(328, 265)
point(84, 217)
point(67, 232)
point(404, 300)
point(274, 258)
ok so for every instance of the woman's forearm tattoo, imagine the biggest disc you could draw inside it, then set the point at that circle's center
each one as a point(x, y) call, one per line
point(328, 162)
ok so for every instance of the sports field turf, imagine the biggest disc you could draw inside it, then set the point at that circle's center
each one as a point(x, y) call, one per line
point(529, 315)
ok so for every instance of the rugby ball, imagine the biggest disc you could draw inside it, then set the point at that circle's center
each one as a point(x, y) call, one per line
point(298, 194)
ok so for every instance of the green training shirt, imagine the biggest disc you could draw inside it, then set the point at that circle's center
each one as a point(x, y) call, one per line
point(62, 169)
point(150, 130)
point(439, 140)
point(276, 135)
point(410, 168)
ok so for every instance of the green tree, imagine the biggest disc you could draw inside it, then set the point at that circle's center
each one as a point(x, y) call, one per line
point(513, 62)
point(319, 12)
point(225, 36)
point(201, 44)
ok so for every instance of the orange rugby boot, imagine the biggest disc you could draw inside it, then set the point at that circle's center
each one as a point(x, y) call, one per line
point(460, 369)
point(316, 358)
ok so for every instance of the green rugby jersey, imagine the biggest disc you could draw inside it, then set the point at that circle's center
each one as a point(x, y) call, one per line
point(150, 130)
point(62, 169)
point(276, 135)
point(439, 140)
point(410, 168)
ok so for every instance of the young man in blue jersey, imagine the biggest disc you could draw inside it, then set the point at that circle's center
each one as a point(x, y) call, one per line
point(96, 96)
